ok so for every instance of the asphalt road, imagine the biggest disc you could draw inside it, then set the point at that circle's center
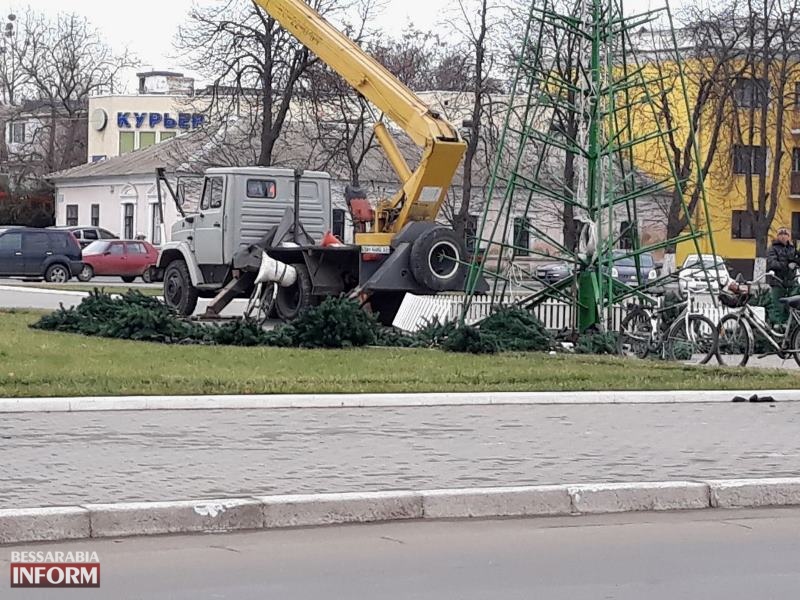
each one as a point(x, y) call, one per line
point(36, 298)
point(74, 458)
point(735, 555)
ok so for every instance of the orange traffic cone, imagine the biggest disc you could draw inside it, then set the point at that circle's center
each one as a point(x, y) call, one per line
point(330, 240)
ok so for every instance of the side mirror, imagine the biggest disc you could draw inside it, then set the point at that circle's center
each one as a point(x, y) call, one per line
point(180, 191)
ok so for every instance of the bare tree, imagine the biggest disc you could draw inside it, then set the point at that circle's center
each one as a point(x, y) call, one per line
point(58, 63)
point(470, 68)
point(65, 61)
point(334, 118)
point(702, 63)
point(256, 66)
point(761, 76)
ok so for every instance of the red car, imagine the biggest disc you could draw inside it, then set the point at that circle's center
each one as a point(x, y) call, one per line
point(127, 259)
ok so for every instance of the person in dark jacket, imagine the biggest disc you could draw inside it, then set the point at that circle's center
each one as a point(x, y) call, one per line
point(782, 259)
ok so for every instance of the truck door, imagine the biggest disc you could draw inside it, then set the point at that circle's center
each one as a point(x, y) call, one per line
point(208, 224)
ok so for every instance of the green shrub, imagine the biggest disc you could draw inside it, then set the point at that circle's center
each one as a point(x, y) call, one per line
point(517, 330)
point(597, 343)
point(336, 323)
point(471, 339)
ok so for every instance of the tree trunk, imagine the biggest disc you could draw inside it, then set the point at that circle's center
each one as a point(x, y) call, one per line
point(568, 227)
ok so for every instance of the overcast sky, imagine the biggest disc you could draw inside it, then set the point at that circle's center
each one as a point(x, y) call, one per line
point(147, 27)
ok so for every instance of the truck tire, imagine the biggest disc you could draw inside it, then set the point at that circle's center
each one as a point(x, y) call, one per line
point(291, 301)
point(179, 293)
point(438, 259)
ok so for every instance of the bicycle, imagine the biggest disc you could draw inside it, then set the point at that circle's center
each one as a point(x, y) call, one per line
point(691, 337)
point(735, 331)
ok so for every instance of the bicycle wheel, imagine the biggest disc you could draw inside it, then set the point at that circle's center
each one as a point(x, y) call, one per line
point(635, 333)
point(734, 341)
point(691, 339)
point(794, 348)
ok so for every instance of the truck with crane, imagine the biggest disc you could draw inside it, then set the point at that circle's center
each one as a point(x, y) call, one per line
point(261, 232)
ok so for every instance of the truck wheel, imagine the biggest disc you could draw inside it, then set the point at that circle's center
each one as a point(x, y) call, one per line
point(438, 259)
point(179, 293)
point(291, 301)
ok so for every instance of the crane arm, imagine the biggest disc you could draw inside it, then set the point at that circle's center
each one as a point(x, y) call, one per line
point(424, 188)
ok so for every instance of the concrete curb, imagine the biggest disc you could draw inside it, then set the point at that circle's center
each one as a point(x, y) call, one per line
point(272, 401)
point(270, 512)
point(38, 290)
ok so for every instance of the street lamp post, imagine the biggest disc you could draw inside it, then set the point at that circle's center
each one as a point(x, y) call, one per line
point(9, 38)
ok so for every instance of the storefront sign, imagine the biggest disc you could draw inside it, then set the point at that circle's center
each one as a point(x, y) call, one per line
point(137, 120)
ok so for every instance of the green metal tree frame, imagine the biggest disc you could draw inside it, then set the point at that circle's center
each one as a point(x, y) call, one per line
point(607, 83)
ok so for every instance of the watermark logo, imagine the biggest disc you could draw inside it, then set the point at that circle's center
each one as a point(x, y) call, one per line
point(55, 569)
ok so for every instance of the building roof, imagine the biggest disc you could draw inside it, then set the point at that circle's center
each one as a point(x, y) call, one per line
point(140, 162)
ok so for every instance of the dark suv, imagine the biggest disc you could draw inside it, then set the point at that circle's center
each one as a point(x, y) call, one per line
point(27, 252)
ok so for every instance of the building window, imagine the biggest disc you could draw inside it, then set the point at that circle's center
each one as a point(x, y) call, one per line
point(95, 215)
point(166, 135)
point(742, 225)
point(98, 157)
point(126, 142)
point(796, 225)
point(157, 219)
point(127, 221)
point(751, 93)
point(337, 224)
point(16, 132)
point(471, 233)
point(749, 160)
point(522, 238)
point(147, 139)
point(72, 215)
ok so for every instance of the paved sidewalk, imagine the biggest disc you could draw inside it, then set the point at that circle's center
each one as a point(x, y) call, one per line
point(70, 458)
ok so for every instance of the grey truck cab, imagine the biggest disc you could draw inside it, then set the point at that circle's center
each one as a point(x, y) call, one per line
point(237, 205)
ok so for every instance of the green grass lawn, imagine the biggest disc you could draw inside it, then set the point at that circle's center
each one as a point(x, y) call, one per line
point(89, 287)
point(38, 363)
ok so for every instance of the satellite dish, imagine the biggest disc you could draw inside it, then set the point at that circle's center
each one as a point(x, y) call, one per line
point(99, 119)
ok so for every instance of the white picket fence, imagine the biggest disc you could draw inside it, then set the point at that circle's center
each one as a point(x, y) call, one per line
point(416, 311)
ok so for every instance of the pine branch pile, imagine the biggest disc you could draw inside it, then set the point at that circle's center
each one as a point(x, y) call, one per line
point(335, 323)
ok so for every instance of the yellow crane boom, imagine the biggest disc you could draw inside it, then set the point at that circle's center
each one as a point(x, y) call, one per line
point(423, 189)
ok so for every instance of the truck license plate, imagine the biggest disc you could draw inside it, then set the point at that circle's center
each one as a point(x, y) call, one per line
point(375, 249)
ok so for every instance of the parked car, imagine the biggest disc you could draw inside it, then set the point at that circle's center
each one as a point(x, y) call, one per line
point(29, 252)
point(87, 235)
point(554, 272)
point(624, 268)
point(127, 259)
point(692, 274)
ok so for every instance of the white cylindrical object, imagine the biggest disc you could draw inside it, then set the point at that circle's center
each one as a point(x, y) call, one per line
point(275, 271)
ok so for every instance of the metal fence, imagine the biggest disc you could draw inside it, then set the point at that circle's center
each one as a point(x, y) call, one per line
point(554, 314)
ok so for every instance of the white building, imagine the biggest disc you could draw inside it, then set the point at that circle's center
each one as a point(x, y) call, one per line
point(118, 194)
